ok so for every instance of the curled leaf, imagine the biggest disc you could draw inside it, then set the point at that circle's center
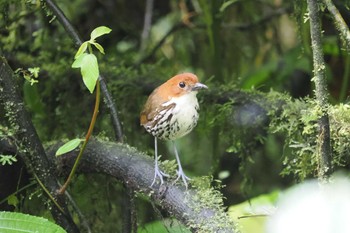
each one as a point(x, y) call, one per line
point(99, 31)
point(81, 49)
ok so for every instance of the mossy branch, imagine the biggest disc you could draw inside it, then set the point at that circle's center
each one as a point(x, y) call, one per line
point(136, 169)
point(324, 151)
point(33, 153)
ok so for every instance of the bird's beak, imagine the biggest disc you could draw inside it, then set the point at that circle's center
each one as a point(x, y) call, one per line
point(198, 86)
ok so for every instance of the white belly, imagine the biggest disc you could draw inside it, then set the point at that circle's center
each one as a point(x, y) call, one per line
point(185, 116)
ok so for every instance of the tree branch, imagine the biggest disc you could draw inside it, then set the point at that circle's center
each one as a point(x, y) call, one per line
point(77, 40)
point(324, 145)
point(137, 170)
point(339, 23)
point(33, 153)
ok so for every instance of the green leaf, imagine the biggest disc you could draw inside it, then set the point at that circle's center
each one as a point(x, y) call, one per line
point(78, 60)
point(81, 49)
point(89, 71)
point(17, 222)
point(69, 146)
point(99, 31)
point(99, 47)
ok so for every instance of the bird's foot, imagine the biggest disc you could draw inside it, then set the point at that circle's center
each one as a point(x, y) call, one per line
point(181, 174)
point(160, 174)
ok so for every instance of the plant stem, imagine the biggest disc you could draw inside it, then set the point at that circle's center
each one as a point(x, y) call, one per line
point(324, 146)
point(87, 137)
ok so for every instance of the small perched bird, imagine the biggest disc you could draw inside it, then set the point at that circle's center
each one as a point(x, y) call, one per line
point(171, 112)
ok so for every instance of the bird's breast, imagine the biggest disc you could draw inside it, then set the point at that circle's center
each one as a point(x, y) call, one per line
point(184, 115)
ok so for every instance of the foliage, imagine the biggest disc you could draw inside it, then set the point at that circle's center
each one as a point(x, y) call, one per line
point(18, 222)
point(298, 121)
point(7, 159)
point(88, 62)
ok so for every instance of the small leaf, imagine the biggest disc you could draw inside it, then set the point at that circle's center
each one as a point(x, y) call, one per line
point(99, 47)
point(69, 146)
point(78, 61)
point(81, 49)
point(12, 200)
point(99, 31)
point(34, 71)
point(89, 71)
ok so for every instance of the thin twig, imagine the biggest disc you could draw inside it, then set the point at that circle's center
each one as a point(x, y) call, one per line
point(81, 216)
point(339, 23)
point(147, 24)
point(258, 23)
point(176, 27)
point(323, 143)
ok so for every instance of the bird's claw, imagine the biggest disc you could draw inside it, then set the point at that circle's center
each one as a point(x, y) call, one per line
point(160, 174)
point(181, 174)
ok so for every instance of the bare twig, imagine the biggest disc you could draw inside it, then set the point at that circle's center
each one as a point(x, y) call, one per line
point(81, 216)
point(147, 24)
point(324, 145)
point(78, 41)
point(339, 23)
point(176, 27)
point(258, 23)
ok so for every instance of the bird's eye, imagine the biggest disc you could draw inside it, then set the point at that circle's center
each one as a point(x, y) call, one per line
point(182, 84)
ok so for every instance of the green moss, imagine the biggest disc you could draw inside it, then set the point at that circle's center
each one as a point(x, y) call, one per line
point(209, 198)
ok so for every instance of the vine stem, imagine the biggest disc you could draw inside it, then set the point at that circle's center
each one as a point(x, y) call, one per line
point(87, 137)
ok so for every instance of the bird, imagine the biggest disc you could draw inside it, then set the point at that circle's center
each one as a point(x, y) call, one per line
point(171, 112)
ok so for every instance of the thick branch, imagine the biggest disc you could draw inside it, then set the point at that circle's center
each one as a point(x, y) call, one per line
point(77, 40)
point(33, 153)
point(137, 171)
point(324, 146)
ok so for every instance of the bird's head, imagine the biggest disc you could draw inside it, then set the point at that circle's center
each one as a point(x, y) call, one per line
point(181, 84)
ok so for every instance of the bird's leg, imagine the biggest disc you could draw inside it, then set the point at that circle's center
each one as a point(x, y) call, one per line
point(180, 172)
point(157, 171)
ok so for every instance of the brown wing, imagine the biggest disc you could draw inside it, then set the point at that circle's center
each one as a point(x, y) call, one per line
point(152, 108)
point(149, 109)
